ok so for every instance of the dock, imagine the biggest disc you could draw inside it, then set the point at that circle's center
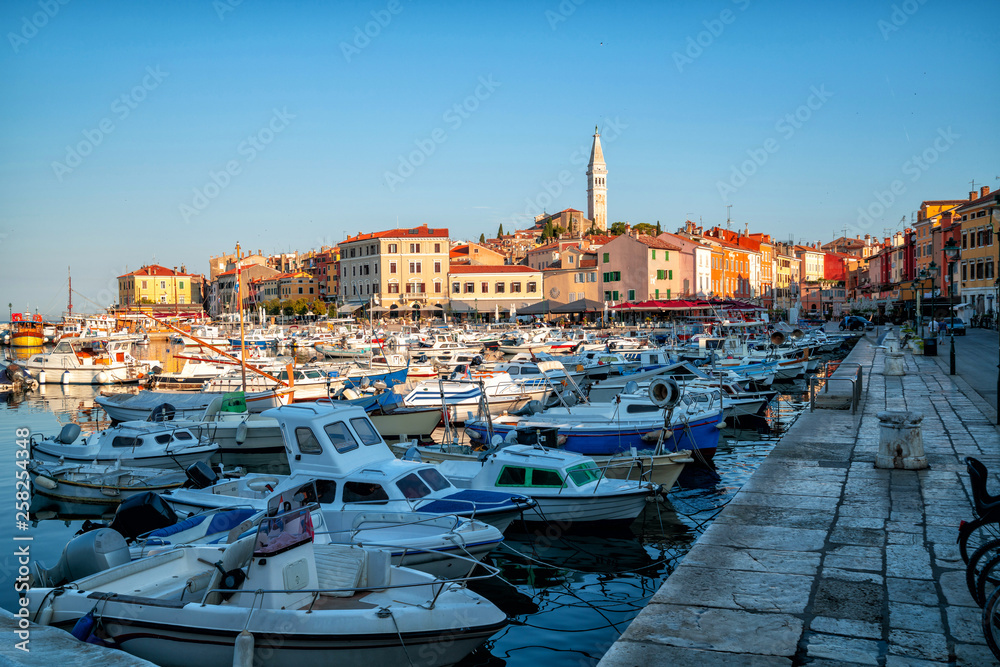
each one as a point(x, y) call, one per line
point(52, 646)
point(821, 558)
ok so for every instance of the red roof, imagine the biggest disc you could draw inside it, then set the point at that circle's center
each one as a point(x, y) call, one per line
point(483, 268)
point(600, 239)
point(654, 242)
point(979, 201)
point(423, 231)
point(155, 270)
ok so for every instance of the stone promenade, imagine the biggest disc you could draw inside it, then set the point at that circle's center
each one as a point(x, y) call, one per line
point(821, 558)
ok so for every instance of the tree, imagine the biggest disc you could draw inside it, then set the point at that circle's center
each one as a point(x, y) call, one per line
point(645, 228)
point(288, 309)
point(658, 232)
point(558, 231)
point(618, 228)
point(331, 310)
point(482, 238)
point(500, 231)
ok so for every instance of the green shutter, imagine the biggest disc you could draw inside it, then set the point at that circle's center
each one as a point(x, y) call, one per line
point(654, 254)
point(666, 255)
point(657, 294)
point(606, 257)
point(615, 293)
point(668, 294)
point(670, 274)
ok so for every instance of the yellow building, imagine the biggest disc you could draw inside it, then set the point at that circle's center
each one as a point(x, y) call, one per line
point(979, 260)
point(405, 268)
point(488, 289)
point(155, 284)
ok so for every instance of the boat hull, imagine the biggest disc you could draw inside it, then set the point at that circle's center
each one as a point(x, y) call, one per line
point(700, 436)
point(175, 634)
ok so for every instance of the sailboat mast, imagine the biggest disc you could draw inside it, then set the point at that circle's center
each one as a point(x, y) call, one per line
point(70, 307)
point(239, 304)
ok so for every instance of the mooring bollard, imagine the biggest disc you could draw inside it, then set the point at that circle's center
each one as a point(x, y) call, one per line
point(895, 364)
point(900, 444)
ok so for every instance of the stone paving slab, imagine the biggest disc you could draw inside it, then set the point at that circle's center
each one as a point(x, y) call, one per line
point(821, 558)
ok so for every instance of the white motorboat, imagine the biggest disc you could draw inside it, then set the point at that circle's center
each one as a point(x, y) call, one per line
point(89, 361)
point(465, 389)
point(274, 598)
point(568, 488)
point(661, 469)
point(335, 441)
point(135, 444)
point(420, 540)
point(81, 487)
point(179, 404)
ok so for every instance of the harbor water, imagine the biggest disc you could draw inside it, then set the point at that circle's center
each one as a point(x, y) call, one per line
point(568, 595)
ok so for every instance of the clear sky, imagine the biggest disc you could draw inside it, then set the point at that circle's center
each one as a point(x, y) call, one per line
point(171, 130)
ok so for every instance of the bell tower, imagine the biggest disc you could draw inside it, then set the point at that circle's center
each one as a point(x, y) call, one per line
point(597, 187)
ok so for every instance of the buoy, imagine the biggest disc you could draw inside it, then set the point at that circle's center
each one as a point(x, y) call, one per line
point(243, 651)
point(41, 377)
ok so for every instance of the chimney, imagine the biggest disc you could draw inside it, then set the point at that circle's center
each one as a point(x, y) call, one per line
point(972, 195)
point(983, 191)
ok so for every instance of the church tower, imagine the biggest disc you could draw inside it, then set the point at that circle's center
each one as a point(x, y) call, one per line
point(597, 187)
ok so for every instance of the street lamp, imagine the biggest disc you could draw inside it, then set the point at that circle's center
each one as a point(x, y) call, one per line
point(922, 276)
point(952, 252)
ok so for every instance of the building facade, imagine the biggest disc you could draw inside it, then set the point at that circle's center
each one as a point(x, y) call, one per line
point(406, 268)
point(979, 219)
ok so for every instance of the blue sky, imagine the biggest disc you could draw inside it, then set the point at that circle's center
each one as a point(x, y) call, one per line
point(799, 115)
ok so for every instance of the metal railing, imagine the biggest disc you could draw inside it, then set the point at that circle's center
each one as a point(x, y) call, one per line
point(857, 386)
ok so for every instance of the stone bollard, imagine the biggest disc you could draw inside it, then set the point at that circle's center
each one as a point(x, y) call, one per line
point(891, 344)
point(900, 444)
point(895, 364)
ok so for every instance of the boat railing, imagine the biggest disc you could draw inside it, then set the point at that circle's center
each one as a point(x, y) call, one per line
point(438, 585)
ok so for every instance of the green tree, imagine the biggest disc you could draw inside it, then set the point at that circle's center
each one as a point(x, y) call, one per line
point(301, 306)
point(558, 231)
point(645, 228)
point(500, 231)
point(288, 309)
point(331, 309)
point(658, 232)
point(617, 228)
point(482, 238)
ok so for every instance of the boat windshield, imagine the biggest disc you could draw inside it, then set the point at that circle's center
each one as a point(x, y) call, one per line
point(412, 487)
point(585, 473)
point(283, 532)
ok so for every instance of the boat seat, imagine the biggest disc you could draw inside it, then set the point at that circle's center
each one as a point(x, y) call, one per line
point(340, 567)
point(237, 555)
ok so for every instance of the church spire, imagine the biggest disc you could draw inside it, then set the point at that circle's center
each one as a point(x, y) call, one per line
point(597, 189)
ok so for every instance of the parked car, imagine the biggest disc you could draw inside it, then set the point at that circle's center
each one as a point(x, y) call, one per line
point(855, 323)
point(959, 326)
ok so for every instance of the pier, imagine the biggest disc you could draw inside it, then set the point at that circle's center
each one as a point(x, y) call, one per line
point(823, 559)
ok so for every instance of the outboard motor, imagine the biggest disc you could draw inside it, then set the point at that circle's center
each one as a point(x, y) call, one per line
point(530, 408)
point(200, 476)
point(162, 413)
point(84, 555)
point(142, 513)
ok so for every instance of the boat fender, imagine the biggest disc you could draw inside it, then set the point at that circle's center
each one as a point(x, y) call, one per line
point(44, 616)
point(45, 482)
point(721, 425)
point(85, 626)
point(65, 377)
point(243, 651)
point(41, 377)
point(241, 433)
